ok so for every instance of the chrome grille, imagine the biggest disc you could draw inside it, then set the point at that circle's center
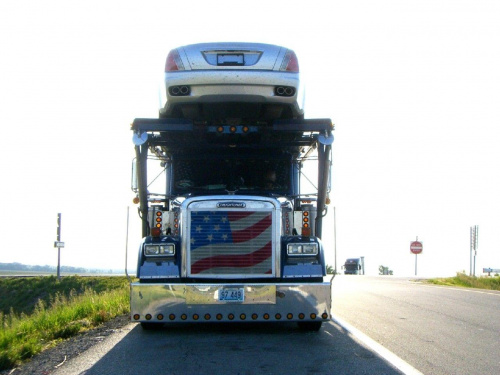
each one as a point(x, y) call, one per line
point(230, 243)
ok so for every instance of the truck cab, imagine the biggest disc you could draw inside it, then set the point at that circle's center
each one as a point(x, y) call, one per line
point(352, 266)
point(231, 224)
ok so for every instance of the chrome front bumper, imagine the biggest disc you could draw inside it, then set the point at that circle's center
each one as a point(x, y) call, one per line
point(163, 303)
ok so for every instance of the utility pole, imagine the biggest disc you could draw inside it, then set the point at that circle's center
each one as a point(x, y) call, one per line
point(126, 249)
point(474, 237)
point(335, 238)
point(475, 247)
point(471, 236)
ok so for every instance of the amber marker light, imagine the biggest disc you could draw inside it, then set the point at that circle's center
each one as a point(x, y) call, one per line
point(171, 316)
point(184, 317)
point(158, 219)
point(148, 316)
point(219, 316)
point(156, 232)
point(136, 200)
point(266, 316)
point(254, 316)
point(159, 316)
point(306, 231)
point(196, 317)
point(232, 129)
point(278, 316)
point(220, 129)
point(324, 316)
point(245, 129)
point(301, 316)
point(137, 316)
point(289, 316)
point(313, 316)
point(230, 316)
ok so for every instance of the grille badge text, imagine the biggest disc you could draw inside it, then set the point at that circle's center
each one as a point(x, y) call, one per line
point(231, 205)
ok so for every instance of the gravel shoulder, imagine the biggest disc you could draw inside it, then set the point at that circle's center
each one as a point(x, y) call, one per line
point(49, 360)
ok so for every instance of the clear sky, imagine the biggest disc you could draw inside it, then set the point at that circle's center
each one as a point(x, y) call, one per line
point(413, 88)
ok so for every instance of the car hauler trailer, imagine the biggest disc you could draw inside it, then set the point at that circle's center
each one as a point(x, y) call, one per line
point(235, 232)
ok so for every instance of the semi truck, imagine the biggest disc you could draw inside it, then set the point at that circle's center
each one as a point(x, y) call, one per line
point(353, 266)
point(232, 221)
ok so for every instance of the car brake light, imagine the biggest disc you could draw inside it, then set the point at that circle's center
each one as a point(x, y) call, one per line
point(174, 61)
point(290, 62)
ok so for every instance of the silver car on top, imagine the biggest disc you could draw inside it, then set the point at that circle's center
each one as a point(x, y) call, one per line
point(232, 82)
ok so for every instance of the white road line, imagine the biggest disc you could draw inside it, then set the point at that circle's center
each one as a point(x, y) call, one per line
point(480, 291)
point(377, 348)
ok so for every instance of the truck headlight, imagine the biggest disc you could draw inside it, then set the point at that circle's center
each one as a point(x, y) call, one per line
point(302, 249)
point(159, 250)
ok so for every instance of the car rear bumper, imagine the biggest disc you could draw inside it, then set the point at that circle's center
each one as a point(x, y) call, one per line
point(232, 77)
point(232, 86)
point(162, 303)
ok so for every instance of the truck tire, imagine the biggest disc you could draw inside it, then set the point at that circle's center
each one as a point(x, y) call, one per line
point(309, 326)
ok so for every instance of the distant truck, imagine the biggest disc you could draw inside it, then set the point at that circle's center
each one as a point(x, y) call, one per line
point(353, 266)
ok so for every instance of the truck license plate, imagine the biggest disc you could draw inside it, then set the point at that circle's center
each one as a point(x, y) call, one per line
point(231, 295)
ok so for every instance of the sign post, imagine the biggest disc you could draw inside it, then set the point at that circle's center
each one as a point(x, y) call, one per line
point(59, 245)
point(416, 248)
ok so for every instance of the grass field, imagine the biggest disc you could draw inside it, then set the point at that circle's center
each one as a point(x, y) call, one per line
point(38, 312)
point(462, 280)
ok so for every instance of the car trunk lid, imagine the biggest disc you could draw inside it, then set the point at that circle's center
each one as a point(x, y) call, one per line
point(246, 56)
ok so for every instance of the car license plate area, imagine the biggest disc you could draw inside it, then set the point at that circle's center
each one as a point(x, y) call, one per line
point(231, 295)
point(233, 59)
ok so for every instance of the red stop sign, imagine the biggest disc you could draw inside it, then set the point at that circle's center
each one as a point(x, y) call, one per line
point(416, 247)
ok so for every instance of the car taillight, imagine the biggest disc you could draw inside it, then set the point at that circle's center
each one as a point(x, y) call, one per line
point(290, 63)
point(174, 62)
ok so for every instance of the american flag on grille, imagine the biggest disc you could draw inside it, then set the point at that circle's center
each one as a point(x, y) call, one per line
point(231, 242)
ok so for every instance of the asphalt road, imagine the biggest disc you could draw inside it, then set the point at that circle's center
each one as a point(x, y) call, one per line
point(437, 330)
point(229, 349)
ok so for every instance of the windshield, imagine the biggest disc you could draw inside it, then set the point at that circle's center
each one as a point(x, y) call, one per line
point(198, 176)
